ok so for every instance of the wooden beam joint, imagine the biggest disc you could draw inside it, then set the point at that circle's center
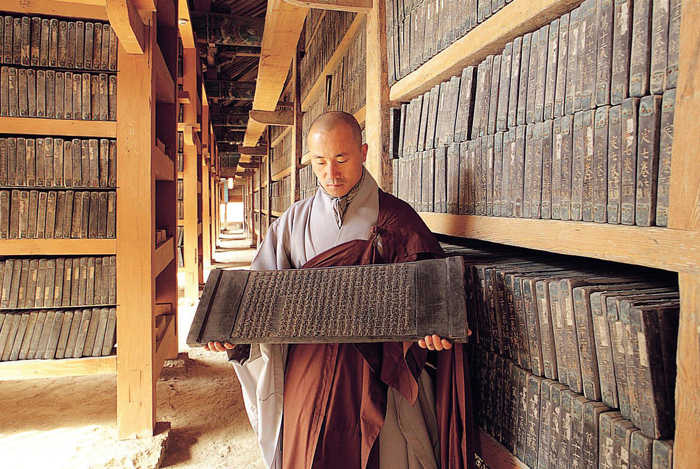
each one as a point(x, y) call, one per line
point(127, 24)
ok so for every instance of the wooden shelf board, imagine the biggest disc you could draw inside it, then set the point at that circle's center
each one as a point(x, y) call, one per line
point(495, 455)
point(489, 37)
point(30, 369)
point(58, 127)
point(306, 159)
point(163, 166)
point(661, 248)
point(58, 9)
point(361, 115)
point(58, 247)
point(281, 136)
point(282, 174)
point(164, 255)
point(164, 347)
point(276, 214)
point(183, 97)
point(335, 59)
point(165, 86)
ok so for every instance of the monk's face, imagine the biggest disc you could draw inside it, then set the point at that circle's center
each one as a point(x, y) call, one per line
point(336, 158)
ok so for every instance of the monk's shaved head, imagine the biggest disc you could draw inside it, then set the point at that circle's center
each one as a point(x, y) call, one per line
point(330, 121)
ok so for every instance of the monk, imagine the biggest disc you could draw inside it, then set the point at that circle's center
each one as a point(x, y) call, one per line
point(353, 405)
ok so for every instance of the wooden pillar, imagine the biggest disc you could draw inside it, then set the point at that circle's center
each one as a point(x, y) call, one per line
point(296, 131)
point(206, 213)
point(377, 99)
point(268, 183)
point(136, 404)
point(684, 214)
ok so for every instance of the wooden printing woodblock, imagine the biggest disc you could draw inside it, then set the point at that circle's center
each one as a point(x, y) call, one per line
point(605, 439)
point(102, 215)
point(5, 334)
point(531, 97)
point(600, 165)
point(533, 324)
point(552, 67)
point(30, 162)
point(547, 170)
point(86, 99)
point(28, 335)
point(493, 317)
point(452, 178)
point(17, 41)
point(23, 103)
point(674, 31)
point(13, 93)
point(58, 282)
point(488, 163)
point(465, 114)
point(494, 94)
point(50, 94)
point(53, 161)
point(640, 52)
point(543, 453)
point(44, 41)
point(514, 83)
point(508, 138)
point(63, 336)
point(604, 350)
point(35, 41)
point(100, 334)
point(506, 306)
point(60, 215)
point(577, 168)
point(77, 96)
point(533, 420)
point(427, 181)
point(46, 278)
point(112, 280)
point(614, 161)
point(22, 284)
point(94, 98)
point(570, 350)
point(31, 215)
point(422, 129)
point(3, 159)
point(20, 163)
point(77, 219)
point(665, 151)
point(588, 73)
point(53, 334)
point(668, 328)
point(84, 158)
point(391, 29)
point(647, 160)
point(662, 451)
point(605, 51)
point(76, 158)
point(524, 353)
point(4, 214)
point(555, 430)
point(19, 337)
point(485, 97)
point(497, 198)
point(464, 178)
point(628, 176)
point(53, 42)
point(576, 441)
point(588, 165)
point(14, 215)
point(94, 160)
point(32, 284)
point(4, 91)
point(39, 162)
point(31, 93)
point(24, 214)
point(518, 173)
point(572, 61)
point(510, 401)
point(25, 54)
point(79, 44)
point(59, 93)
point(85, 214)
point(640, 451)
point(441, 179)
point(8, 274)
point(93, 217)
point(586, 342)
point(478, 174)
point(523, 414)
point(8, 39)
point(82, 333)
point(549, 357)
point(88, 45)
point(542, 49)
point(498, 394)
point(62, 44)
point(620, 62)
point(73, 333)
point(104, 55)
point(110, 332)
point(592, 413)
point(619, 355)
point(41, 215)
point(91, 332)
point(75, 285)
point(2, 47)
point(537, 176)
point(488, 396)
point(528, 169)
point(11, 161)
point(70, 43)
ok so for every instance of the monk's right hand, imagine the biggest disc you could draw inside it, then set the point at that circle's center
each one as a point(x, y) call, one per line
point(218, 346)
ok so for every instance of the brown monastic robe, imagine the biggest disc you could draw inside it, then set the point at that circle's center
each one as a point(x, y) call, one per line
point(336, 394)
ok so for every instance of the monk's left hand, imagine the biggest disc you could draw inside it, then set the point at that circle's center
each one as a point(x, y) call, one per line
point(434, 342)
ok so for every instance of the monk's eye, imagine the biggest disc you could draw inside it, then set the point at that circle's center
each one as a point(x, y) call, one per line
point(342, 161)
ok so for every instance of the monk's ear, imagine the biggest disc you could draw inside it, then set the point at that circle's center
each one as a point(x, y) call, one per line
point(364, 152)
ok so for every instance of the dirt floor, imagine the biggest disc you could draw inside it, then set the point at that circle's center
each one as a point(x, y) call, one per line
point(71, 422)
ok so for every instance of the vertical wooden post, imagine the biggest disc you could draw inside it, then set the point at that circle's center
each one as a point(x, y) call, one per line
point(684, 214)
point(377, 100)
point(268, 183)
point(136, 408)
point(295, 192)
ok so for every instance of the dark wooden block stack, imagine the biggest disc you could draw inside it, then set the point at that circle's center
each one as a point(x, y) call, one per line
point(573, 121)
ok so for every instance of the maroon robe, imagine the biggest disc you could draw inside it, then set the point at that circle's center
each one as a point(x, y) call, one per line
point(335, 394)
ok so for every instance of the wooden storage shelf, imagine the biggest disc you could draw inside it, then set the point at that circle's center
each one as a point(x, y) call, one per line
point(164, 347)
point(58, 247)
point(58, 368)
point(282, 174)
point(661, 248)
point(489, 37)
point(165, 86)
point(281, 136)
point(163, 166)
point(497, 456)
point(335, 59)
point(58, 127)
point(276, 214)
point(164, 255)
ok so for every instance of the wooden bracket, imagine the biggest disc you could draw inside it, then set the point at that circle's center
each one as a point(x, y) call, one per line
point(127, 24)
point(249, 165)
point(260, 150)
point(357, 6)
point(281, 117)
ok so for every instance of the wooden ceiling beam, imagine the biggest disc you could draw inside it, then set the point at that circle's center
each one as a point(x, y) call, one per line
point(127, 24)
point(357, 6)
point(185, 25)
point(281, 117)
point(260, 150)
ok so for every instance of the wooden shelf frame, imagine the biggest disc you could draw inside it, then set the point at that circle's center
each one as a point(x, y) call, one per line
point(335, 59)
point(58, 247)
point(59, 127)
point(58, 368)
point(163, 256)
point(164, 83)
point(163, 166)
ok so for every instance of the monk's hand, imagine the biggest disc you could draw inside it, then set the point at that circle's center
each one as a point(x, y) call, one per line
point(218, 346)
point(434, 342)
